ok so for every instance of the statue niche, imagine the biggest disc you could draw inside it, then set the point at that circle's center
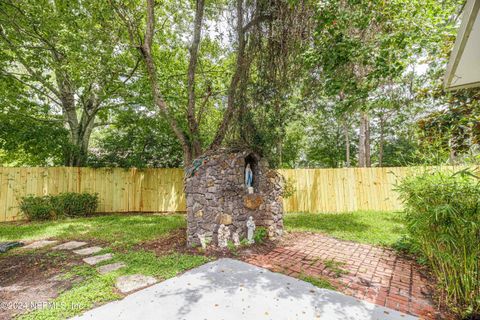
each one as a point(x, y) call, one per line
point(250, 167)
point(226, 187)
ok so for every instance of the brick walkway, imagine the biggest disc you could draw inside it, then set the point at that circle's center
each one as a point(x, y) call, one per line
point(373, 274)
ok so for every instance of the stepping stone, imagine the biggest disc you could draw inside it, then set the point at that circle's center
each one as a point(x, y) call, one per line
point(110, 267)
point(134, 282)
point(5, 246)
point(97, 259)
point(70, 245)
point(88, 251)
point(40, 244)
point(13, 288)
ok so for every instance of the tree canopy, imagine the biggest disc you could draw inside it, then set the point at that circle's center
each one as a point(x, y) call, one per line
point(305, 83)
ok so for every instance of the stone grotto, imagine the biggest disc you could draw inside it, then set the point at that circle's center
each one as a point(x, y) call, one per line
point(226, 187)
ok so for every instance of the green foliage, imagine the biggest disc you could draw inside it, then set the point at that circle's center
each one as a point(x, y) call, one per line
point(443, 221)
point(317, 281)
point(260, 235)
point(37, 208)
point(64, 67)
point(380, 228)
point(136, 140)
point(164, 267)
point(335, 267)
point(325, 137)
point(32, 141)
point(232, 247)
point(71, 204)
point(320, 64)
point(67, 204)
point(453, 134)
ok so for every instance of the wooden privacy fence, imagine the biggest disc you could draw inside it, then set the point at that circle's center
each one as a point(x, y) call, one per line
point(119, 190)
point(161, 190)
point(345, 189)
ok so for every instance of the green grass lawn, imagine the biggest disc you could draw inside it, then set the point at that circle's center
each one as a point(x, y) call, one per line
point(124, 230)
point(118, 230)
point(380, 228)
point(120, 233)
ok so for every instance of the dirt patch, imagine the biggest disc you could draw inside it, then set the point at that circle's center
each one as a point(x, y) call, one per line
point(175, 241)
point(28, 280)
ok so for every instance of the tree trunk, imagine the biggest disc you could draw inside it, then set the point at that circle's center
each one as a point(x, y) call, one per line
point(367, 141)
point(239, 74)
point(347, 144)
point(364, 141)
point(146, 52)
point(79, 139)
point(381, 142)
point(193, 124)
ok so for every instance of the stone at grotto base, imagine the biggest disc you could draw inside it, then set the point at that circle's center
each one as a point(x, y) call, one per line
point(236, 239)
point(252, 201)
point(225, 219)
point(223, 236)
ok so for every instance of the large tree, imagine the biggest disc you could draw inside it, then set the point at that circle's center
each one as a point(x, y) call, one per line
point(246, 25)
point(70, 56)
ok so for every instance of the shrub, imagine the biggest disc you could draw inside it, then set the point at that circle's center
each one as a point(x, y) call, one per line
point(72, 204)
point(260, 235)
point(63, 205)
point(37, 208)
point(443, 222)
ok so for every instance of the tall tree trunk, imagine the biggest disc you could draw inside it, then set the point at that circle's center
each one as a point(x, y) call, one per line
point(193, 124)
point(146, 51)
point(239, 74)
point(364, 141)
point(347, 144)
point(280, 150)
point(79, 139)
point(361, 143)
point(367, 141)
point(381, 142)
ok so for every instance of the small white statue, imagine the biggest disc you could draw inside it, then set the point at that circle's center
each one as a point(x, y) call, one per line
point(205, 239)
point(236, 239)
point(223, 236)
point(250, 230)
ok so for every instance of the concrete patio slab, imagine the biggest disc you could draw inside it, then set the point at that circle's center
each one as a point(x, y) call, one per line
point(40, 244)
point(97, 259)
point(70, 245)
point(88, 251)
point(231, 289)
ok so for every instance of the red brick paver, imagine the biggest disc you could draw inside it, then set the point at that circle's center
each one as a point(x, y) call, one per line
point(375, 274)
